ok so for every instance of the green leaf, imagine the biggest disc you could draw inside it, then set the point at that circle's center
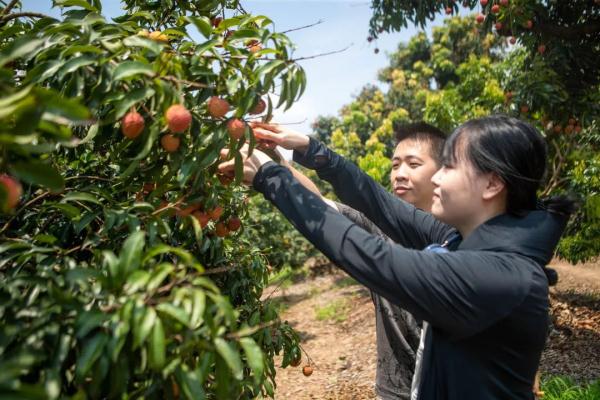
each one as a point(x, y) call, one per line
point(88, 321)
point(151, 140)
point(206, 46)
point(177, 313)
point(75, 63)
point(203, 24)
point(111, 262)
point(58, 105)
point(255, 358)
point(92, 132)
point(133, 97)
point(245, 34)
point(130, 68)
point(20, 47)
point(268, 67)
point(231, 356)
point(138, 41)
point(198, 307)
point(159, 275)
point(157, 347)
point(9, 105)
point(185, 256)
point(81, 196)
point(75, 3)
point(239, 167)
point(141, 331)
point(38, 173)
point(91, 351)
point(136, 281)
point(131, 253)
point(191, 384)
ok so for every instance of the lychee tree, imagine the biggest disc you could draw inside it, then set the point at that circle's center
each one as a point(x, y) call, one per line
point(122, 271)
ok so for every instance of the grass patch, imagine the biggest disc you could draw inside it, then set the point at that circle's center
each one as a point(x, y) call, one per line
point(336, 311)
point(345, 282)
point(564, 388)
point(286, 276)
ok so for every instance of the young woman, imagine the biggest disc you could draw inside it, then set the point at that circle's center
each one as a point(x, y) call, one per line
point(485, 300)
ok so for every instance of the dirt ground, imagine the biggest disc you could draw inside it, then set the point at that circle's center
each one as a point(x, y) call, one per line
point(335, 319)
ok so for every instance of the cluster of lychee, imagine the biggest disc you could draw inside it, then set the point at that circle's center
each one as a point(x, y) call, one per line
point(572, 125)
point(179, 119)
point(307, 370)
point(496, 7)
point(253, 45)
point(204, 216)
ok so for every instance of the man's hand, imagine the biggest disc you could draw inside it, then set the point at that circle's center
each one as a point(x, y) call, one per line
point(252, 163)
point(286, 138)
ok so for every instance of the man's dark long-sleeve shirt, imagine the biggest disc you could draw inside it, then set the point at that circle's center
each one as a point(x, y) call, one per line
point(397, 332)
point(486, 302)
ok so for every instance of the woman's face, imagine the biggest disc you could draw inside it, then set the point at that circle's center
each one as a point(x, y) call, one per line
point(459, 194)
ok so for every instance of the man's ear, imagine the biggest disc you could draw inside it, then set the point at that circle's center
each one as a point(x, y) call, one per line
point(494, 186)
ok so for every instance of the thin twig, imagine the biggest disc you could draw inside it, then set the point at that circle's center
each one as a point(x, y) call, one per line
point(303, 27)
point(98, 178)
point(322, 54)
point(556, 170)
point(173, 79)
point(30, 202)
point(252, 330)
point(219, 270)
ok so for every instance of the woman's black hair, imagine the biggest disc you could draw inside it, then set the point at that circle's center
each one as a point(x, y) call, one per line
point(516, 152)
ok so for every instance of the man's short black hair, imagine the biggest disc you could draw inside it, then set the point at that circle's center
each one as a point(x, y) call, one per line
point(422, 131)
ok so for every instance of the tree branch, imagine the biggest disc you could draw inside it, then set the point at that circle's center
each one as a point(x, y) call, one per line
point(574, 32)
point(9, 7)
point(173, 79)
point(8, 17)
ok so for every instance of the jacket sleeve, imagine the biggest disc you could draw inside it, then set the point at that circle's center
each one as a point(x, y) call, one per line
point(401, 221)
point(460, 292)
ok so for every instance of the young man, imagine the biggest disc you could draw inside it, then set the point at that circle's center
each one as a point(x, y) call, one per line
point(416, 158)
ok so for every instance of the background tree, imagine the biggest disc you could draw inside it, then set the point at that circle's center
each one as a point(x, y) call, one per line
point(552, 79)
point(122, 272)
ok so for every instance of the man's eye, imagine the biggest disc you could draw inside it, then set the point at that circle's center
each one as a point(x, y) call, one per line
point(414, 165)
point(395, 166)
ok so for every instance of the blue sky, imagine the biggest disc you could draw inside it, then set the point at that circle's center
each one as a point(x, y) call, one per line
point(332, 80)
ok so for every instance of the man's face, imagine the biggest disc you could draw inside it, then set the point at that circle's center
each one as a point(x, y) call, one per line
point(412, 169)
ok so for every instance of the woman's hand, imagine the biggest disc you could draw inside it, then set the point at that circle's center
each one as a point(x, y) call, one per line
point(252, 163)
point(286, 138)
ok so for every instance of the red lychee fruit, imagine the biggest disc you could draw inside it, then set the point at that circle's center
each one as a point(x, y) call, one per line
point(13, 190)
point(178, 118)
point(236, 128)
point(132, 124)
point(170, 142)
point(217, 107)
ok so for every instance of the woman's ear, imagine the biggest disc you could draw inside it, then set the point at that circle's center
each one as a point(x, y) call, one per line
point(494, 186)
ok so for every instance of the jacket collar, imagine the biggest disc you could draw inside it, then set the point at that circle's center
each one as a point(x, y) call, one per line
point(534, 236)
